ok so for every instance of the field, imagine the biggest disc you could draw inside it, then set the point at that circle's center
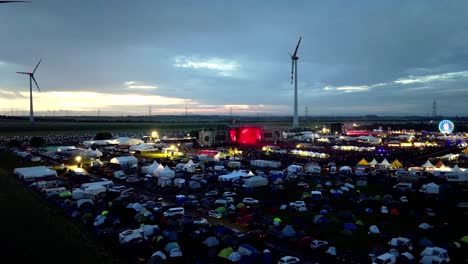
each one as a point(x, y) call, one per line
point(33, 231)
point(9, 127)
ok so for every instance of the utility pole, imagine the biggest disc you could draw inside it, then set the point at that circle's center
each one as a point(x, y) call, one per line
point(149, 111)
point(434, 109)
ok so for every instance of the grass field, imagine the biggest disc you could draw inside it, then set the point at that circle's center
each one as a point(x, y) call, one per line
point(42, 128)
point(33, 231)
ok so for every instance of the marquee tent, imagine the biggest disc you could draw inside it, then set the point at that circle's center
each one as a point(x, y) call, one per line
point(385, 163)
point(164, 172)
point(29, 173)
point(440, 165)
point(150, 168)
point(396, 164)
point(363, 162)
point(125, 161)
point(428, 164)
point(373, 163)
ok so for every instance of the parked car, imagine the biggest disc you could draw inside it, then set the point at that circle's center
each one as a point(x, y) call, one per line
point(250, 201)
point(288, 260)
point(211, 193)
point(200, 221)
point(213, 213)
point(317, 244)
point(297, 204)
point(403, 199)
point(228, 194)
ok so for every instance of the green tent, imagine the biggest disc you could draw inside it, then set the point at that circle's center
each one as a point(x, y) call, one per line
point(105, 212)
point(225, 253)
point(305, 195)
point(220, 210)
point(359, 222)
point(240, 205)
point(464, 239)
point(277, 220)
point(65, 194)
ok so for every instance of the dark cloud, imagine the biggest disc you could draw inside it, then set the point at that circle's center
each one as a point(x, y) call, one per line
point(99, 45)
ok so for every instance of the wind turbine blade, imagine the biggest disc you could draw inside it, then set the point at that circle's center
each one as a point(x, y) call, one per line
point(3, 2)
point(34, 79)
point(292, 71)
point(297, 47)
point(37, 66)
point(23, 73)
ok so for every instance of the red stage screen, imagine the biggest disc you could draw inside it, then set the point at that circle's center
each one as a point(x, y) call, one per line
point(245, 135)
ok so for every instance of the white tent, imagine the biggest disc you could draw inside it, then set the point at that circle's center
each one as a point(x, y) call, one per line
point(166, 173)
point(125, 161)
point(126, 141)
point(385, 163)
point(158, 169)
point(233, 176)
point(346, 169)
point(92, 153)
point(294, 168)
point(430, 188)
point(190, 166)
point(313, 168)
point(428, 164)
point(150, 168)
point(373, 163)
point(31, 173)
point(142, 147)
point(255, 181)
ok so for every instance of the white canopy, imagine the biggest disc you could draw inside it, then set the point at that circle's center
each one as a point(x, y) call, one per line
point(125, 160)
point(92, 153)
point(235, 175)
point(346, 168)
point(150, 168)
point(34, 172)
point(126, 141)
point(164, 172)
point(373, 162)
point(385, 163)
point(428, 164)
point(142, 147)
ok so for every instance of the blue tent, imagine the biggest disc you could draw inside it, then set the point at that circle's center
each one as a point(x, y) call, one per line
point(349, 226)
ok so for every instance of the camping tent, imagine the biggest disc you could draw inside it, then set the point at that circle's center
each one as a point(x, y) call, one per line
point(346, 169)
point(373, 163)
point(126, 141)
point(142, 147)
point(363, 162)
point(396, 164)
point(288, 231)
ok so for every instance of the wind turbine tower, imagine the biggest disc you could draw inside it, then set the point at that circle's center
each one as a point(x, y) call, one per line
point(31, 79)
point(294, 59)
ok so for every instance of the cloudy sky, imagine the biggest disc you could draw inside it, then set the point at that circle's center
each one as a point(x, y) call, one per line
point(120, 57)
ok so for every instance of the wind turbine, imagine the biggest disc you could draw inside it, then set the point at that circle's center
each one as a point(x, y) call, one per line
point(31, 78)
point(294, 59)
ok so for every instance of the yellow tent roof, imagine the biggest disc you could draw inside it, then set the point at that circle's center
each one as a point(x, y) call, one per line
point(396, 164)
point(363, 162)
point(465, 151)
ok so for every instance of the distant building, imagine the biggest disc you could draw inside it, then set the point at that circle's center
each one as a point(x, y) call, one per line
point(336, 128)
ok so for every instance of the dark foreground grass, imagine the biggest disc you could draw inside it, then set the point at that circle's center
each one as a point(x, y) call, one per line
point(33, 231)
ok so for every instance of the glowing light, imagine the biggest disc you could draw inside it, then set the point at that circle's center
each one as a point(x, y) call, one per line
point(446, 126)
point(154, 134)
point(78, 159)
point(246, 135)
